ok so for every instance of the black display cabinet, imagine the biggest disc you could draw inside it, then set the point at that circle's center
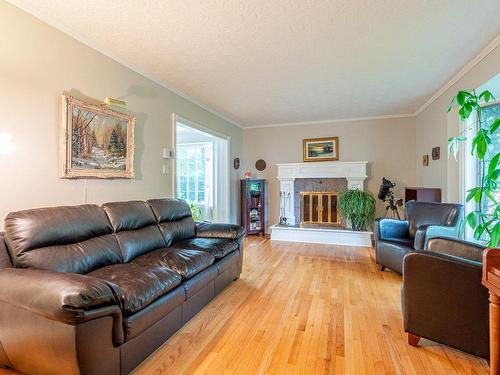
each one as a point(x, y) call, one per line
point(253, 206)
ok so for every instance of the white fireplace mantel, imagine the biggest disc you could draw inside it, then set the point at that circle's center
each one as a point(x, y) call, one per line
point(353, 171)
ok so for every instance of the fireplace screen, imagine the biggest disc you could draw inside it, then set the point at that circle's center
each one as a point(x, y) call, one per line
point(319, 208)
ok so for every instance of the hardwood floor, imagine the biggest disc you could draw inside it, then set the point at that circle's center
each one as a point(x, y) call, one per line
point(305, 309)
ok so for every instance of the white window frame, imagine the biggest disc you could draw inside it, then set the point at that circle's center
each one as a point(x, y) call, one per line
point(469, 166)
point(222, 175)
point(208, 172)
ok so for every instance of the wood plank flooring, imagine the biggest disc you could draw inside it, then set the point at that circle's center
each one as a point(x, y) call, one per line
point(305, 309)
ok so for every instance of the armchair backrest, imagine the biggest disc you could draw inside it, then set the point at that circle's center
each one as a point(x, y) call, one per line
point(430, 213)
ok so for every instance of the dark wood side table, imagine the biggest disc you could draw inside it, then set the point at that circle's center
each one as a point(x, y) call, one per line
point(422, 194)
point(491, 280)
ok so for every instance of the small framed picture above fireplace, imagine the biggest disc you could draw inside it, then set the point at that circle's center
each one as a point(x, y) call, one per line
point(321, 149)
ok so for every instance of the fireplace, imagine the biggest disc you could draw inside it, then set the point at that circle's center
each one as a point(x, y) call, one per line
point(319, 208)
point(308, 202)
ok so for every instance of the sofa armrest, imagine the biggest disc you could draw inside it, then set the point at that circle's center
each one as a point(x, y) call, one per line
point(457, 248)
point(390, 228)
point(59, 296)
point(443, 300)
point(216, 230)
point(426, 232)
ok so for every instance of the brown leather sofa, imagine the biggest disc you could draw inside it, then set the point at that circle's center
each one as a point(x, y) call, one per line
point(95, 290)
point(443, 298)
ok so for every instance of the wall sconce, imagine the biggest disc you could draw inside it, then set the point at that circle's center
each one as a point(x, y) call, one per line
point(112, 102)
point(6, 145)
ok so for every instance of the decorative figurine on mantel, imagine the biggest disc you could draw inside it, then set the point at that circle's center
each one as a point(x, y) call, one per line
point(284, 198)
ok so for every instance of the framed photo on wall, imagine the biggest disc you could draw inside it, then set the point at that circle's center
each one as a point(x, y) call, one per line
point(321, 149)
point(95, 141)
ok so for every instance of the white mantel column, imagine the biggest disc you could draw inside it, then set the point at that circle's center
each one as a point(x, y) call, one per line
point(356, 183)
point(288, 190)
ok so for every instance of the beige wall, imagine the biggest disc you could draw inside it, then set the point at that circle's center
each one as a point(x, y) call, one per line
point(38, 63)
point(435, 126)
point(388, 145)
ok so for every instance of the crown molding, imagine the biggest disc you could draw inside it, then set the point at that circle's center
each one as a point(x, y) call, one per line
point(92, 44)
point(467, 68)
point(330, 121)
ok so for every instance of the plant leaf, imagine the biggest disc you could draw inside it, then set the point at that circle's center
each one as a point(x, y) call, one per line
point(486, 96)
point(478, 232)
point(474, 193)
point(495, 125)
point(472, 219)
point(495, 236)
point(493, 163)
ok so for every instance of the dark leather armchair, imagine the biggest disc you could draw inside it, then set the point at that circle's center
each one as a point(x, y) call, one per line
point(424, 220)
point(442, 296)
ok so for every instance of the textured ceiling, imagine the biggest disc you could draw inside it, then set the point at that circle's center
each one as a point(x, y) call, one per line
point(281, 61)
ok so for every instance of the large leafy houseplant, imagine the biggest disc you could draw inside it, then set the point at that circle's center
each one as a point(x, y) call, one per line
point(358, 207)
point(484, 223)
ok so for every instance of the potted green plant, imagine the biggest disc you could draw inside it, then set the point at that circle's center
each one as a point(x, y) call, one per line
point(484, 222)
point(358, 208)
point(195, 211)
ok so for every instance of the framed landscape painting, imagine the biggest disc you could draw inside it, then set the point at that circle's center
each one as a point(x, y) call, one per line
point(321, 149)
point(96, 142)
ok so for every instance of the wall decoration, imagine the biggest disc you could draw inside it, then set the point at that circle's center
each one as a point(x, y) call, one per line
point(321, 149)
point(425, 160)
point(236, 163)
point(436, 153)
point(95, 141)
point(260, 165)
point(248, 175)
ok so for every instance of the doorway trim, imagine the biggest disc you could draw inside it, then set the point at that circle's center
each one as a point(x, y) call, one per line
point(226, 191)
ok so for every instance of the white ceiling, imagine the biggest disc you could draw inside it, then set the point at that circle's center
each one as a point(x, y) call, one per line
point(281, 61)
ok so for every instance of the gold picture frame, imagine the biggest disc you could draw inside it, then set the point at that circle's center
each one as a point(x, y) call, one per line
point(321, 149)
point(95, 141)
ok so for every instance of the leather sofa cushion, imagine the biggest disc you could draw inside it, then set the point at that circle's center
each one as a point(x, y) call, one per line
point(186, 263)
point(140, 321)
point(430, 213)
point(219, 230)
point(135, 227)
point(218, 247)
point(200, 281)
point(225, 263)
point(60, 296)
point(175, 219)
point(64, 239)
point(137, 285)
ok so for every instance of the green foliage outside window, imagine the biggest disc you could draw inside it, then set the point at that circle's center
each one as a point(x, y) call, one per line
point(485, 219)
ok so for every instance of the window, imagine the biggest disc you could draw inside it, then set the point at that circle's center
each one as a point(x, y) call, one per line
point(193, 171)
point(489, 114)
point(471, 169)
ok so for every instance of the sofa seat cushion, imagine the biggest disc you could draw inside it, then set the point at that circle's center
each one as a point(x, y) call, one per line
point(186, 263)
point(218, 247)
point(137, 323)
point(136, 285)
